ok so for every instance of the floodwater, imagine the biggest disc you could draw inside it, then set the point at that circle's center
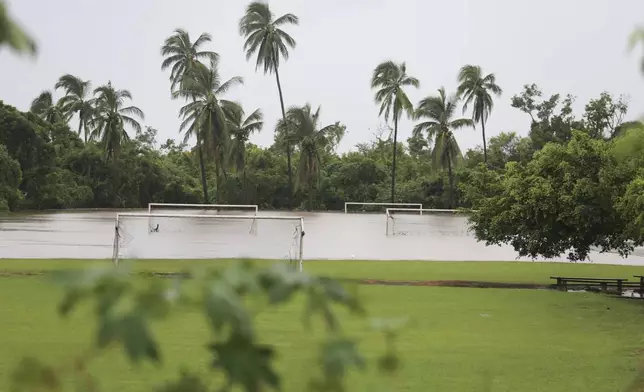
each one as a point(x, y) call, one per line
point(362, 236)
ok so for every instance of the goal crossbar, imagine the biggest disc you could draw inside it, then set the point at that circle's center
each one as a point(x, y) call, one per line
point(389, 215)
point(298, 219)
point(179, 205)
point(418, 206)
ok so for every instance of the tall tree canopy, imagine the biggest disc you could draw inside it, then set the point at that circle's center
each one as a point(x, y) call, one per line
point(389, 79)
point(265, 38)
point(475, 89)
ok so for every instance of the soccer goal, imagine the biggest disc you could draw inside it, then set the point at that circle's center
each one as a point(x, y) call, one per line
point(377, 207)
point(235, 209)
point(202, 236)
point(203, 209)
point(416, 221)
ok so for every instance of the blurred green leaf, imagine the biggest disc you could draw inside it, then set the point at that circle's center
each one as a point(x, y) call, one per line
point(86, 383)
point(187, 382)
point(107, 283)
point(241, 277)
point(108, 291)
point(137, 338)
point(224, 306)
point(389, 363)
point(338, 293)
point(33, 375)
point(132, 331)
point(318, 303)
point(280, 281)
point(156, 299)
point(245, 363)
point(338, 355)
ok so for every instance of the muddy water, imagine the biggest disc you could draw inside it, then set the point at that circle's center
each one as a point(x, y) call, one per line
point(74, 234)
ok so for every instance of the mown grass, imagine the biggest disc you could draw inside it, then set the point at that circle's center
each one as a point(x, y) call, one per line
point(457, 339)
point(522, 272)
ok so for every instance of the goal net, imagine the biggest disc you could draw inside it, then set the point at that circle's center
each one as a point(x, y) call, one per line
point(212, 209)
point(355, 206)
point(202, 209)
point(203, 236)
point(425, 221)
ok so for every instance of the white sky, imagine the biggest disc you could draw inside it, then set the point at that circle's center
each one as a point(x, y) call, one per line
point(565, 46)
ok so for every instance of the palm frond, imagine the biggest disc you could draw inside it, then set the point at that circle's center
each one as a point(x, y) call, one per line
point(287, 19)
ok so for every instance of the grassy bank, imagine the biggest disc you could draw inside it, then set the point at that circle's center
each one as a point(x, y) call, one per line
point(524, 272)
point(457, 339)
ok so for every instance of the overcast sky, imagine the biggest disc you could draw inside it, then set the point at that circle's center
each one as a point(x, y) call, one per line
point(565, 46)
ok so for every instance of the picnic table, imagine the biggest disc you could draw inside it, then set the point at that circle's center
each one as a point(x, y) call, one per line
point(563, 283)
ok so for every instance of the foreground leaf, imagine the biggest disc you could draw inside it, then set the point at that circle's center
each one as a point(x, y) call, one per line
point(33, 375)
point(132, 332)
point(245, 363)
point(224, 306)
point(186, 383)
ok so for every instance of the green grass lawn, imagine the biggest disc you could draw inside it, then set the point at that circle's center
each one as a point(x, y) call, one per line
point(524, 272)
point(457, 339)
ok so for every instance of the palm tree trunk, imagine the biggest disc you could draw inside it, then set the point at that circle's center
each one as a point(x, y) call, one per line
point(310, 194)
point(393, 169)
point(202, 167)
point(484, 142)
point(288, 144)
point(80, 128)
point(451, 180)
point(217, 174)
point(244, 185)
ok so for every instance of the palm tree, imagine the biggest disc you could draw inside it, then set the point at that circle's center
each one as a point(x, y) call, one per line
point(182, 56)
point(111, 116)
point(475, 89)
point(77, 100)
point(45, 107)
point(439, 124)
point(208, 115)
point(12, 35)
point(389, 79)
point(240, 129)
point(312, 141)
point(269, 42)
point(637, 38)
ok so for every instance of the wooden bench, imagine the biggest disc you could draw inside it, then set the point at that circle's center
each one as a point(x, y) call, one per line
point(602, 283)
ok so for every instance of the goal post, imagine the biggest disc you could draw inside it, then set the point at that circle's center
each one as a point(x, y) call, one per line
point(196, 236)
point(253, 208)
point(414, 206)
point(390, 227)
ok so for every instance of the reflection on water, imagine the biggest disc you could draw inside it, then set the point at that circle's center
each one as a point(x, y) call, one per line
point(327, 236)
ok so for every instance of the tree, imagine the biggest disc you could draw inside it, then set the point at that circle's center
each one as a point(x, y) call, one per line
point(182, 56)
point(111, 117)
point(561, 201)
point(312, 141)
point(266, 40)
point(547, 124)
point(240, 129)
point(208, 114)
point(44, 107)
point(12, 35)
point(475, 89)
point(437, 113)
point(637, 38)
point(604, 115)
point(503, 148)
point(77, 100)
point(389, 79)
